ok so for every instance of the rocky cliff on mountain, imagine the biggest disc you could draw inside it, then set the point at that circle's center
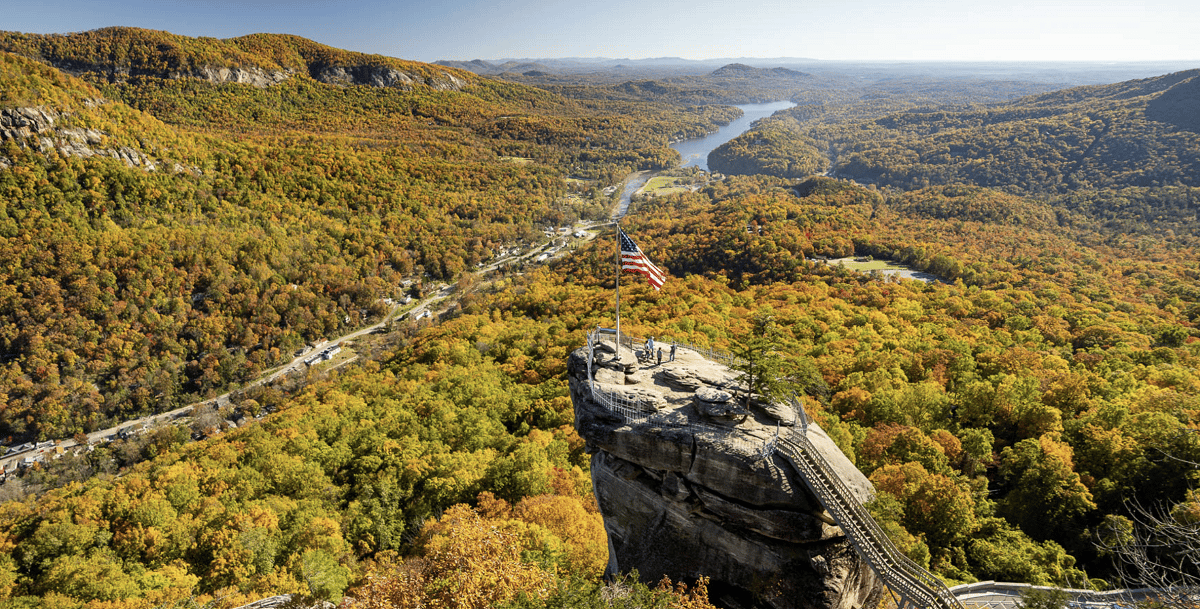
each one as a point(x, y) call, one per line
point(689, 493)
point(383, 76)
point(366, 75)
point(118, 54)
point(36, 127)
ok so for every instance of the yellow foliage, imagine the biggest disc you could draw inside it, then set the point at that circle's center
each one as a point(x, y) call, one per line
point(683, 597)
point(472, 562)
point(581, 531)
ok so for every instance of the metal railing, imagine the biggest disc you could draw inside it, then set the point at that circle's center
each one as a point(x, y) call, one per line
point(634, 411)
point(913, 583)
point(633, 342)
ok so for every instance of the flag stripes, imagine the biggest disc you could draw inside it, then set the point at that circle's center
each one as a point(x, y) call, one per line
point(635, 261)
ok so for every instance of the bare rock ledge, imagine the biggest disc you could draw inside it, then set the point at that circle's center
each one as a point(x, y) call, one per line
point(688, 494)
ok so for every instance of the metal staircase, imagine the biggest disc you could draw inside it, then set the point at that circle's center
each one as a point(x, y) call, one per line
point(916, 586)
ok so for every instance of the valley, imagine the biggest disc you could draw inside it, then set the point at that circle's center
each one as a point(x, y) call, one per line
point(301, 195)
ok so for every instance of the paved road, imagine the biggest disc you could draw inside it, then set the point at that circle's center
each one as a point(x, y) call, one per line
point(9, 462)
point(1004, 595)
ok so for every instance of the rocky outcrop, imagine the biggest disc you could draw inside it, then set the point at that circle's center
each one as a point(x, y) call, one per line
point(688, 492)
point(250, 75)
point(383, 76)
point(253, 76)
point(37, 127)
point(288, 601)
point(380, 76)
point(26, 122)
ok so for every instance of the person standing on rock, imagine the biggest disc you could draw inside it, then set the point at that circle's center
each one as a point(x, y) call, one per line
point(660, 356)
point(672, 353)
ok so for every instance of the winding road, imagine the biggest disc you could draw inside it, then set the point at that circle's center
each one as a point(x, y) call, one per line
point(10, 461)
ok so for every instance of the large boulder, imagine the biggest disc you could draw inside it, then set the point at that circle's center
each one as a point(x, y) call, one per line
point(685, 495)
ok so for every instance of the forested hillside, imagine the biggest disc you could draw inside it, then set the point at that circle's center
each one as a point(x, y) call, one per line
point(1087, 138)
point(1137, 134)
point(242, 222)
point(167, 234)
point(1028, 386)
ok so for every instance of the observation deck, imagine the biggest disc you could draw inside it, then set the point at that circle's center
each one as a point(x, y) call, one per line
point(643, 391)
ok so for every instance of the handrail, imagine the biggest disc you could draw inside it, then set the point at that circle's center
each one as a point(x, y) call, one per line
point(912, 581)
point(636, 412)
point(631, 341)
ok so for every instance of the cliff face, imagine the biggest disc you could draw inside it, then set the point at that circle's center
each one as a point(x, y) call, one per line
point(380, 76)
point(36, 127)
point(688, 492)
point(118, 54)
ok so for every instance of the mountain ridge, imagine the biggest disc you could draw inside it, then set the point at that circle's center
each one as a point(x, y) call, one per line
point(118, 53)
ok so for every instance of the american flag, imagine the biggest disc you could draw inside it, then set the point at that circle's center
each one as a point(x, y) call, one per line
point(633, 260)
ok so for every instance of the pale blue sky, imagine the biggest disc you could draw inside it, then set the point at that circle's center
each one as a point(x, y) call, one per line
point(1020, 30)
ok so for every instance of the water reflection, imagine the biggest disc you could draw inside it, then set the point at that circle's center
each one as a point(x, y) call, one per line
point(695, 152)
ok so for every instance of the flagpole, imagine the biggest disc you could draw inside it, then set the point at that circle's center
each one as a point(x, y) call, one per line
point(618, 241)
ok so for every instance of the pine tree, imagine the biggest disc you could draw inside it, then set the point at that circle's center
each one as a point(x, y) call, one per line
point(760, 362)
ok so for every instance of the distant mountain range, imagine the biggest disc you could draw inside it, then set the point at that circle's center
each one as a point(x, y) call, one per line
point(1059, 73)
point(574, 65)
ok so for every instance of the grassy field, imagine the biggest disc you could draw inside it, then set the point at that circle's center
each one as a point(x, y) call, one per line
point(870, 265)
point(662, 185)
point(519, 160)
point(887, 267)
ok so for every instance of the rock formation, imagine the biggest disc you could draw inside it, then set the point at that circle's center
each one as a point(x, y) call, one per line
point(36, 127)
point(380, 76)
point(688, 493)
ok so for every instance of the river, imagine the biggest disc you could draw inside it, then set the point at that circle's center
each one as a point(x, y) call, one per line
point(695, 152)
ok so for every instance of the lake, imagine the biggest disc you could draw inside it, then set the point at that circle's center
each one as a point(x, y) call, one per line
point(695, 152)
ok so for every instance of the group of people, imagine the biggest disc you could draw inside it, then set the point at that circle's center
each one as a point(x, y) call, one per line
point(651, 352)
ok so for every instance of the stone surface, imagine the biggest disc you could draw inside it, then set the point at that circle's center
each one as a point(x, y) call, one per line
point(684, 497)
point(38, 127)
point(710, 395)
point(781, 413)
point(253, 76)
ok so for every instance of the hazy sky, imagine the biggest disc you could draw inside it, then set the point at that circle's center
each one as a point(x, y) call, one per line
point(1097, 30)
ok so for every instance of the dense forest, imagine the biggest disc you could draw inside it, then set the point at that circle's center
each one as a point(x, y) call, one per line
point(168, 236)
point(1123, 153)
point(241, 235)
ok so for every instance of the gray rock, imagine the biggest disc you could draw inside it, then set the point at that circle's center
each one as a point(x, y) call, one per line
point(684, 540)
point(782, 413)
point(609, 376)
point(681, 378)
point(682, 497)
point(382, 77)
point(253, 76)
point(713, 396)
